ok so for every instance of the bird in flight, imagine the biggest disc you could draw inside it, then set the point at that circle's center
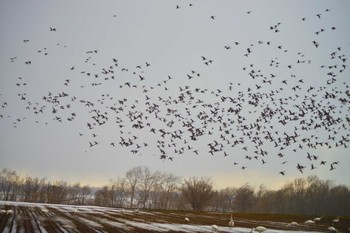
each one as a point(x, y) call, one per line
point(275, 108)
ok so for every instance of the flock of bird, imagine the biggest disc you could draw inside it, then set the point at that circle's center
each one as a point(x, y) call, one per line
point(260, 229)
point(277, 116)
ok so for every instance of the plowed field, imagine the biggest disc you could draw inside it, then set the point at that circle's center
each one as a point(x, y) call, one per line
point(31, 217)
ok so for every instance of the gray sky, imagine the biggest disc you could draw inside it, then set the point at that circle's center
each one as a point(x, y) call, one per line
point(278, 57)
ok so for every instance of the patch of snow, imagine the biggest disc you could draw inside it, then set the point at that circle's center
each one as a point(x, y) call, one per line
point(64, 223)
point(38, 222)
point(115, 224)
point(90, 222)
point(147, 226)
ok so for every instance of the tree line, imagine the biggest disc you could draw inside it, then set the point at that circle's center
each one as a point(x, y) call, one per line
point(142, 188)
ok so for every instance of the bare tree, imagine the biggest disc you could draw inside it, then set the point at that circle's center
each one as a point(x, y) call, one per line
point(56, 192)
point(300, 196)
point(133, 177)
point(198, 192)
point(262, 199)
point(338, 200)
point(73, 193)
point(102, 198)
point(106, 196)
point(77, 194)
point(224, 200)
point(316, 195)
point(120, 188)
point(85, 192)
point(147, 182)
point(169, 184)
point(244, 198)
point(299, 187)
point(41, 195)
point(31, 189)
point(279, 201)
point(9, 182)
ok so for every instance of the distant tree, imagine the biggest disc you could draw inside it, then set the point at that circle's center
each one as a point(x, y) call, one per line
point(77, 194)
point(298, 188)
point(168, 184)
point(245, 198)
point(262, 199)
point(230, 195)
point(224, 200)
point(73, 193)
point(106, 196)
point(148, 181)
point(278, 201)
point(156, 198)
point(85, 193)
point(31, 189)
point(309, 195)
point(9, 183)
point(121, 190)
point(338, 201)
point(41, 195)
point(316, 195)
point(198, 192)
point(133, 177)
point(215, 203)
point(57, 192)
point(101, 197)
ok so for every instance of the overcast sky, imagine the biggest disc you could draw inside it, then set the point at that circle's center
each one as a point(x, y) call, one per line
point(84, 83)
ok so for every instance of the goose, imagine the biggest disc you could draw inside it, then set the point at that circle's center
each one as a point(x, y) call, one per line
point(293, 224)
point(332, 229)
point(336, 220)
point(231, 223)
point(214, 228)
point(310, 222)
point(9, 212)
point(318, 218)
point(259, 229)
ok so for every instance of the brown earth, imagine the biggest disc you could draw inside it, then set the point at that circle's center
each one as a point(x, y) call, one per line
point(35, 218)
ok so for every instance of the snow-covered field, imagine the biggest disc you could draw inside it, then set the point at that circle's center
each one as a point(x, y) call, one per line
point(33, 217)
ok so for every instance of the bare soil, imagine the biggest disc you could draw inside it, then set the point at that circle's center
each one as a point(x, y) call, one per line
point(35, 218)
